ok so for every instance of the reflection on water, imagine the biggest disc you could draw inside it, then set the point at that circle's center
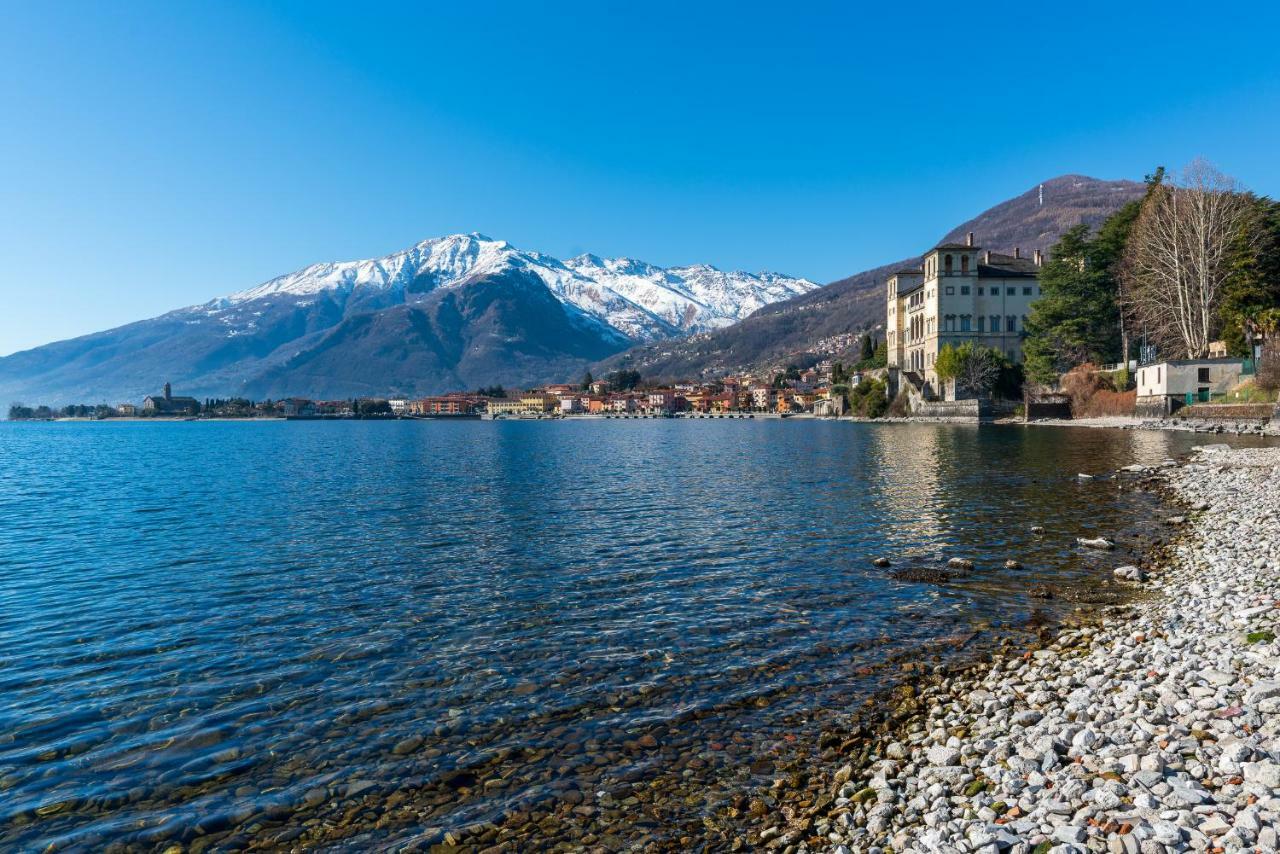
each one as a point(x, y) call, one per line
point(363, 634)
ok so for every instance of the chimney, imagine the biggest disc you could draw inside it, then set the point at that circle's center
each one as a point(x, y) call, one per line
point(986, 257)
point(1039, 258)
point(1017, 253)
point(968, 241)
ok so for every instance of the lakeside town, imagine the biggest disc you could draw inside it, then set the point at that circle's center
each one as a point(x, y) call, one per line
point(1089, 329)
point(820, 390)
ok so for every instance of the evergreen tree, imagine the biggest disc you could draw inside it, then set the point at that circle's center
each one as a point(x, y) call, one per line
point(1077, 317)
point(868, 348)
point(587, 380)
point(1253, 291)
point(880, 357)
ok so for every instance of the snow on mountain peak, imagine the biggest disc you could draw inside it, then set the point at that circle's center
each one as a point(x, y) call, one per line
point(640, 300)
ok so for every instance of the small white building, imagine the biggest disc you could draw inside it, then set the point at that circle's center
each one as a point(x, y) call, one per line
point(1165, 387)
point(829, 406)
point(763, 398)
point(398, 405)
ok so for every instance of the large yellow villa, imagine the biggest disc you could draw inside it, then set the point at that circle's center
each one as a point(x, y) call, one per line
point(959, 293)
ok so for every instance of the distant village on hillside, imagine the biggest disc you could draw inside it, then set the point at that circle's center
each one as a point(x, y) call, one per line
point(819, 390)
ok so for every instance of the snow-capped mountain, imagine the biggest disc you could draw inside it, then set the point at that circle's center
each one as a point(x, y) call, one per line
point(637, 299)
point(452, 312)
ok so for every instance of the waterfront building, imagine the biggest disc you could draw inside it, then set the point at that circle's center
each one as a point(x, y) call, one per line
point(294, 406)
point(332, 407)
point(960, 292)
point(829, 406)
point(126, 410)
point(763, 397)
point(169, 404)
point(659, 401)
point(537, 403)
point(398, 405)
point(1165, 387)
point(448, 404)
point(724, 402)
point(621, 403)
point(504, 406)
point(698, 400)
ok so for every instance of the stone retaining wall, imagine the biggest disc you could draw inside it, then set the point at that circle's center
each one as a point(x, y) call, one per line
point(1252, 412)
point(951, 410)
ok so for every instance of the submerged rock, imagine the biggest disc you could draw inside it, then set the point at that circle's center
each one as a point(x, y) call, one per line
point(1096, 543)
point(1129, 573)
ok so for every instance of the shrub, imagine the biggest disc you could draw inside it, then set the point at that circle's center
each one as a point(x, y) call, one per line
point(1094, 394)
point(869, 399)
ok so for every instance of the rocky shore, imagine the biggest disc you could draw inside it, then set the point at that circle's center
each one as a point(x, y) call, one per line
point(1234, 427)
point(1156, 730)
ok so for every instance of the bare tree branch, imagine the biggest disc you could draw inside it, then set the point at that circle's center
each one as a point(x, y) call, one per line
point(1176, 263)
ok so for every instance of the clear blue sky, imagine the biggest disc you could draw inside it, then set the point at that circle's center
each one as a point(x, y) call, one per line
point(157, 155)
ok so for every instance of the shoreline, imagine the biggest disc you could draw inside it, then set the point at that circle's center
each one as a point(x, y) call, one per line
point(1129, 422)
point(1113, 422)
point(1051, 749)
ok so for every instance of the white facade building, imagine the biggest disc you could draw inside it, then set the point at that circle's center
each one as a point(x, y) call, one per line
point(959, 293)
point(1166, 386)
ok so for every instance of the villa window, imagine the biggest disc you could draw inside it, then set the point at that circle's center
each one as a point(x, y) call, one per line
point(995, 323)
point(964, 290)
point(947, 263)
point(1026, 292)
point(1011, 324)
point(1010, 291)
point(982, 323)
point(964, 263)
point(950, 321)
point(980, 289)
point(950, 290)
point(965, 321)
point(1202, 375)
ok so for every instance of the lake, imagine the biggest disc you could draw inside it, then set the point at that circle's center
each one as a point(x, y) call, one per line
point(390, 634)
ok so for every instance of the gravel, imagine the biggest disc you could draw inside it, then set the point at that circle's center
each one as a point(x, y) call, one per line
point(1156, 731)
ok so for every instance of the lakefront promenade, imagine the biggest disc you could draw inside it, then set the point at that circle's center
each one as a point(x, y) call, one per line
point(1152, 730)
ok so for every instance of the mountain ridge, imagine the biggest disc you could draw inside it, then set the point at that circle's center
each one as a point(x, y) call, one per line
point(823, 322)
point(246, 342)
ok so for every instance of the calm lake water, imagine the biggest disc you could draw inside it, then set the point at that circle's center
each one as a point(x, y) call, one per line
point(366, 635)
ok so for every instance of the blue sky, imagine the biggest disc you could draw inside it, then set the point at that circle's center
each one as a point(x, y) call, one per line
point(157, 155)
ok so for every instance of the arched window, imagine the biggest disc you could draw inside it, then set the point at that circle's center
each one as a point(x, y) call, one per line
point(964, 263)
point(947, 264)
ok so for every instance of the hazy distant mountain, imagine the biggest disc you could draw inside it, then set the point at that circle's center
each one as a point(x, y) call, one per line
point(809, 322)
point(451, 312)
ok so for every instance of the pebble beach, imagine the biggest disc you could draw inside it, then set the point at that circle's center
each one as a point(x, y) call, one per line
point(1153, 729)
